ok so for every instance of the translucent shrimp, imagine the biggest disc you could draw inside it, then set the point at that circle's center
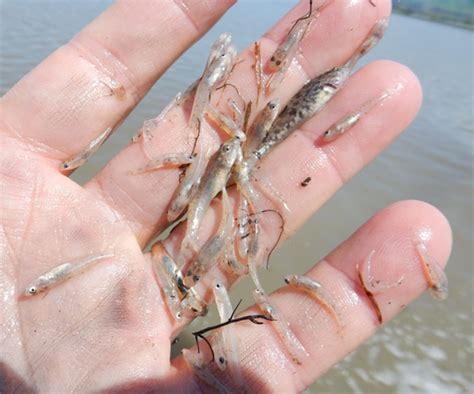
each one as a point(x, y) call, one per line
point(259, 129)
point(434, 274)
point(313, 96)
point(213, 248)
point(62, 273)
point(213, 181)
point(219, 65)
point(316, 290)
point(281, 325)
point(346, 123)
point(190, 182)
point(197, 364)
point(176, 159)
point(169, 277)
point(281, 59)
point(258, 69)
point(82, 157)
point(225, 345)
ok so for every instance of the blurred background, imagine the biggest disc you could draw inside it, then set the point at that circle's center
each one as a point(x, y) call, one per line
point(429, 346)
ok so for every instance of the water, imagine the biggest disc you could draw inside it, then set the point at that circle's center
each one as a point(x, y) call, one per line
point(428, 348)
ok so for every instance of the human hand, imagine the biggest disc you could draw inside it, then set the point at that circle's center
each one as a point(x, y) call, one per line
point(109, 327)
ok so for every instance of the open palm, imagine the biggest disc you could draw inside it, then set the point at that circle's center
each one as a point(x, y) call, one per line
point(109, 327)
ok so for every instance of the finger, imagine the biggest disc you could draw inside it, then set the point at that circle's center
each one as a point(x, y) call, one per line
point(135, 198)
point(95, 80)
point(266, 364)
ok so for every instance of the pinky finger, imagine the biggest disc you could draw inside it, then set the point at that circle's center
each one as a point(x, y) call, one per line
point(394, 234)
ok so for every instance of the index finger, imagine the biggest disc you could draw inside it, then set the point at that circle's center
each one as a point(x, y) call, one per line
point(96, 79)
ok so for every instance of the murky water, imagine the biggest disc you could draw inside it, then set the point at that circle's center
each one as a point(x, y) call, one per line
point(429, 347)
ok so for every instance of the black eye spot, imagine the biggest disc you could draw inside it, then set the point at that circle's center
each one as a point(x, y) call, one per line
point(278, 62)
point(222, 360)
point(326, 132)
point(272, 58)
point(287, 281)
point(196, 278)
point(218, 286)
point(32, 290)
point(65, 166)
point(272, 106)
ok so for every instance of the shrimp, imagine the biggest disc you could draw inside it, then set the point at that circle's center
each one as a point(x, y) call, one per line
point(62, 273)
point(213, 181)
point(169, 277)
point(281, 59)
point(225, 343)
point(313, 96)
point(281, 325)
point(82, 157)
point(434, 274)
point(190, 183)
point(196, 362)
point(214, 247)
point(316, 290)
point(176, 159)
point(346, 123)
point(259, 128)
point(219, 64)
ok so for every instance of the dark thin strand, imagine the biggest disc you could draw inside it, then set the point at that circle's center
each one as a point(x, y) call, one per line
point(251, 318)
point(308, 15)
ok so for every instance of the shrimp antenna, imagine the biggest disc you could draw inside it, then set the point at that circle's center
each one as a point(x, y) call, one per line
point(306, 16)
point(282, 230)
point(232, 86)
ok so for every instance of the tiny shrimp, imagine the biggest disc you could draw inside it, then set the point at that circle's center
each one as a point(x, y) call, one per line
point(259, 129)
point(281, 325)
point(225, 341)
point(62, 273)
point(177, 159)
point(190, 183)
point(169, 276)
point(214, 247)
point(281, 59)
point(213, 181)
point(82, 157)
point(314, 95)
point(197, 364)
point(365, 277)
point(219, 65)
point(346, 123)
point(434, 274)
point(316, 290)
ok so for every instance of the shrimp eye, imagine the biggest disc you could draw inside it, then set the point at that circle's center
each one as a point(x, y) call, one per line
point(65, 166)
point(278, 62)
point(222, 360)
point(218, 286)
point(226, 148)
point(32, 290)
point(287, 281)
point(272, 58)
point(272, 106)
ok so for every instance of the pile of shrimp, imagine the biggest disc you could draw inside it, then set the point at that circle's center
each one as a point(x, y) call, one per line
point(235, 246)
